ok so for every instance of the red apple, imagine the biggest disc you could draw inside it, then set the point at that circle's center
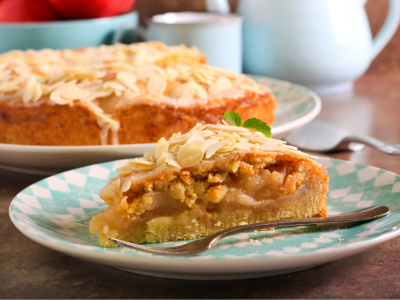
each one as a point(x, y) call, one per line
point(87, 9)
point(15, 11)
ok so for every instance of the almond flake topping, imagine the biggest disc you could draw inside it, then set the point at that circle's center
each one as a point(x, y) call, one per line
point(204, 144)
point(141, 71)
point(125, 186)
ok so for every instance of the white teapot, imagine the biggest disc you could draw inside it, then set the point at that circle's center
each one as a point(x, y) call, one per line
point(323, 44)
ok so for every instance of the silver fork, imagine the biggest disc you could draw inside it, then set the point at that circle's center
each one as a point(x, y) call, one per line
point(201, 245)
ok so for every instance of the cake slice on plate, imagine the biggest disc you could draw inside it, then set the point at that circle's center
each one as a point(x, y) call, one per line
point(212, 178)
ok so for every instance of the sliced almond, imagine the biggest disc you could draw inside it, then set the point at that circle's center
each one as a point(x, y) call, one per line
point(271, 147)
point(252, 88)
point(206, 133)
point(191, 87)
point(146, 71)
point(174, 148)
point(186, 99)
point(243, 146)
point(38, 92)
point(226, 128)
point(114, 84)
point(225, 122)
point(29, 89)
point(146, 155)
point(216, 137)
point(207, 75)
point(129, 95)
point(198, 127)
point(290, 147)
point(209, 143)
point(181, 139)
point(175, 136)
point(192, 160)
point(47, 89)
point(190, 149)
point(126, 77)
point(107, 119)
point(126, 186)
point(123, 171)
point(161, 167)
point(221, 85)
point(262, 140)
point(75, 93)
point(156, 85)
point(195, 137)
point(161, 147)
point(224, 134)
point(140, 161)
point(56, 97)
point(214, 148)
point(230, 146)
point(161, 160)
point(171, 160)
point(144, 167)
point(172, 74)
point(300, 154)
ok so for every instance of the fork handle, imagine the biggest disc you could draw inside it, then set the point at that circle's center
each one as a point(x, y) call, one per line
point(364, 214)
point(388, 148)
point(206, 243)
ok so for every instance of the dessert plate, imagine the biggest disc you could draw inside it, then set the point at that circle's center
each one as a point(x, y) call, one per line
point(297, 106)
point(55, 212)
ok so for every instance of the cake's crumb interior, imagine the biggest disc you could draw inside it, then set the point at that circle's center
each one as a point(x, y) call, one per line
point(190, 205)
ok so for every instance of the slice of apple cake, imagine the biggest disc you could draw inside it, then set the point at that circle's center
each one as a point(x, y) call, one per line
point(212, 178)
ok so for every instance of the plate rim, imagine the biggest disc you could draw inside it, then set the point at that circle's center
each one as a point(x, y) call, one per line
point(207, 265)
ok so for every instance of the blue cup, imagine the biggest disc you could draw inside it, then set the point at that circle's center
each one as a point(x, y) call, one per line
point(63, 34)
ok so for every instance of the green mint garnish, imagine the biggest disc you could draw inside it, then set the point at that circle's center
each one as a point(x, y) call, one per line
point(233, 118)
point(253, 123)
point(258, 125)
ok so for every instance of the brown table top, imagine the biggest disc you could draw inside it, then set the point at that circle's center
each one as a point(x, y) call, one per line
point(29, 270)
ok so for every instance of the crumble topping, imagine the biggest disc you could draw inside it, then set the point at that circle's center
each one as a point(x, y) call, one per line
point(205, 143)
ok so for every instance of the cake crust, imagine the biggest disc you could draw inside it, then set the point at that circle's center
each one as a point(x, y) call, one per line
point(153, 122)
point(48, 125)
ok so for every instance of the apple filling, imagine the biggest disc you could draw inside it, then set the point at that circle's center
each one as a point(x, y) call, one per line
point(187, 206)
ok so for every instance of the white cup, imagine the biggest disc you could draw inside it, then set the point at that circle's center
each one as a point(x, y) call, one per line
point(218, 36)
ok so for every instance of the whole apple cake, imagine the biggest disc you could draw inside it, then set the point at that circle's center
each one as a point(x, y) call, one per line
point(212, 178)
point(119, 94)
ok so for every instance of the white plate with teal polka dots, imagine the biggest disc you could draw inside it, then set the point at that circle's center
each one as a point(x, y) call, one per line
point(297, 106)
point(55, 212)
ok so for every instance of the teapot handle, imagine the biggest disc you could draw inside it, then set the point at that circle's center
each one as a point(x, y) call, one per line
point(218, 6)
point(388, 29)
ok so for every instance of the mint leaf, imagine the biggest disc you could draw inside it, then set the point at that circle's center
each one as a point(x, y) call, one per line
point(257, 125)
point(233, 118)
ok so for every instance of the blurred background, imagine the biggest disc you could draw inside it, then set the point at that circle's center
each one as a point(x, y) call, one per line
point(388, 61)
point(323, 45)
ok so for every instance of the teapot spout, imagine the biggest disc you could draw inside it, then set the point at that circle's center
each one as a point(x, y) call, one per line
point(218, 6)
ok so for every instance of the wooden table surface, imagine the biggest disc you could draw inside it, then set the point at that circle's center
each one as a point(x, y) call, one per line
point(29, 270)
